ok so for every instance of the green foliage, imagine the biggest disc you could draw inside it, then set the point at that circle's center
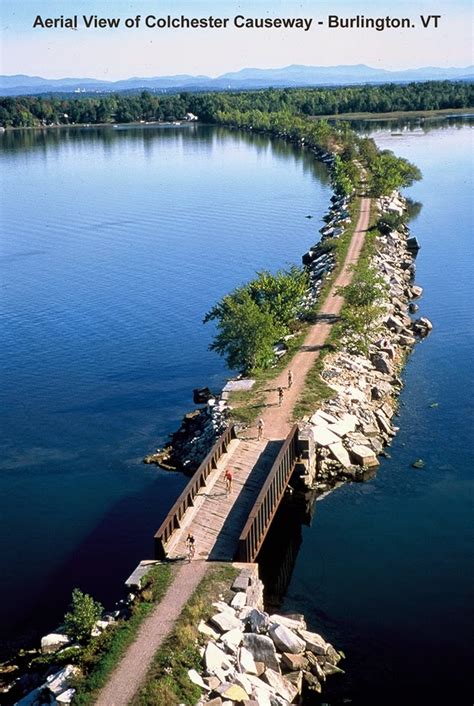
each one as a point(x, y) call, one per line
point(167, 681)
point(85, 611)
point(254, 317)
point(104, 652)
point(282, 293)
point(388, 172)
point(26, 111)
point(246, 333)
point(362, 307)
point(391, 221)
point(343, 176)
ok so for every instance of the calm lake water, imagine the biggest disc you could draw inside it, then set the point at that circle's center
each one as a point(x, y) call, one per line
point(116, 243)
point(385, 571)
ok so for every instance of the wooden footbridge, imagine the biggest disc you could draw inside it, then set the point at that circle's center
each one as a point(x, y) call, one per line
point(234, 526)
point(230, 525)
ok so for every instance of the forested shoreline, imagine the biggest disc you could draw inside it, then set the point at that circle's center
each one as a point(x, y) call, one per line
point(37, 111)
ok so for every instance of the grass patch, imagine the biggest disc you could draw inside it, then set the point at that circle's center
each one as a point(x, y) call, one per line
point(167, 681)
point(315, 390)
point(248, 405)
point(102, 655)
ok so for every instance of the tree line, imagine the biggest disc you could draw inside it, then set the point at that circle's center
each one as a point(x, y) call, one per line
point(33, 111)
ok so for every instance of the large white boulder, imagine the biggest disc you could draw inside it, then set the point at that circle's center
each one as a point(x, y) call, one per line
point(286, 640)
point(54, 641)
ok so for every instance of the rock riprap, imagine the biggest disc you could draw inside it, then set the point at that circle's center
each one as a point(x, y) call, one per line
point(268, 660)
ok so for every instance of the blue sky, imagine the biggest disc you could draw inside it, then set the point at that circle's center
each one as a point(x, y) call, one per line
point(121, 53)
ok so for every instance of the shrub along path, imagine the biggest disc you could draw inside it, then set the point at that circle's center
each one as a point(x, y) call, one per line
point(130, 672)
point(278, 420)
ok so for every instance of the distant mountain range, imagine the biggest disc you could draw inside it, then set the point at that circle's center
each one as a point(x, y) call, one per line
point(288, 76)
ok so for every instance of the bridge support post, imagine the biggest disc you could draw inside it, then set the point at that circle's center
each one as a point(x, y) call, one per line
point(306, 469)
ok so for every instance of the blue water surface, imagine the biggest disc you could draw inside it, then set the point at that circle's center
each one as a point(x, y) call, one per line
point(115, 244)
point(386, 570)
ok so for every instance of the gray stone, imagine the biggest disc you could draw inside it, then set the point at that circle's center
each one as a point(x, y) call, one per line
point(333, 655)
point(258, 621)
point(314, 642)
point(197, 679)
point(364, 456)
point(241, 583)
point(215, 658)
point(384, 423)
point(59, 682)
point(296, 678)
point(286, 640)
point(262, 649)
point(312, 681)
point(340, 454)
point(66, 697)
point(246, 662)
point(54, 642)
point(233, 638)
point(324, 437)
point(294, 622)
point(330, 669)
point(239, 600)
point(280, 685)
point(207, 630)
point(225, 621)
point(381, 363)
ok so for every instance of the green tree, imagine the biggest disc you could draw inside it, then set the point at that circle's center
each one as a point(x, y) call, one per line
point(282, 293)
point(363, 299)
point(246, 331)
point(389, 172)
point(84, 612)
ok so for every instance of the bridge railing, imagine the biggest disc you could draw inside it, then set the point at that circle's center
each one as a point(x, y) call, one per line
point(268, 500)
point(173, 519)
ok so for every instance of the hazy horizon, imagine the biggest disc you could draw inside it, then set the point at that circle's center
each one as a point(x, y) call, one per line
point(112, 54)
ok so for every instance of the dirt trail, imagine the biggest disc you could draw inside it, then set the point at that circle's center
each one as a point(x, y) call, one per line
point(131, 671)
point(278, 419)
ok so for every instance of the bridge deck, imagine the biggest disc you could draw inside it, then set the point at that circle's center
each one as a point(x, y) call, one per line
point(217, 518)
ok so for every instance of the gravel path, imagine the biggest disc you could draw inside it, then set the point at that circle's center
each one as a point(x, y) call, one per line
point(278, 419)
point(131, 671)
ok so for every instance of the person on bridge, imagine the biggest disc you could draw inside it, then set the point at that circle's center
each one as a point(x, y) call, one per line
point(228, 481)
point(290, 378)
point(190, 546)
point(260, 428)
point(280, 396)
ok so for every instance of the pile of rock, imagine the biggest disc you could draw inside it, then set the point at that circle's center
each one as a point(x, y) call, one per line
point(55, 690)
point(352, 429)
point(320, 259)
point(190, 444)
point(258, 659)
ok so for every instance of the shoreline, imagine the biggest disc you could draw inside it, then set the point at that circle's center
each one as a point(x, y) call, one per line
point(328, 465)
point(442, 113)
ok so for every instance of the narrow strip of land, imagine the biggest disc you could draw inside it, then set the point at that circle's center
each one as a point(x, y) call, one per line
point(131, 671)
point(219, 517)
point(278, 419)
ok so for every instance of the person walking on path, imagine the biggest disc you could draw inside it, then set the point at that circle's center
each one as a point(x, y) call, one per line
point(280, 396)
point(228, 481)
point(290, 378)
point(260, 428)
point(190, 546)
